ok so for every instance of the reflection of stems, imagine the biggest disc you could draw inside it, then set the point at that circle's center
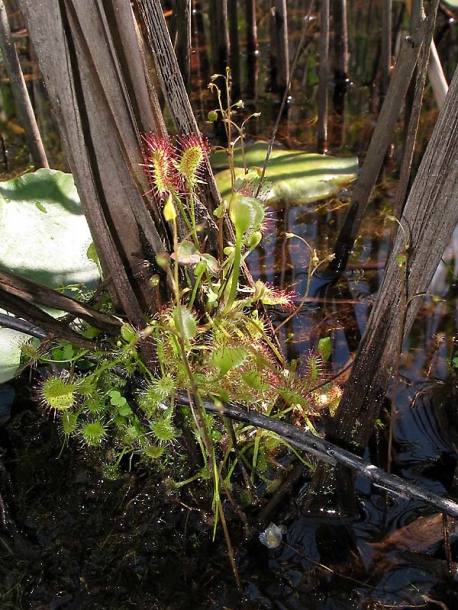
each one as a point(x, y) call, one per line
point(311, 270)
point(402, 261)
point(396, 367)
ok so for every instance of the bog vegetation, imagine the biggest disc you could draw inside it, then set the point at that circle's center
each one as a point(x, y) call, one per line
point(140, 370)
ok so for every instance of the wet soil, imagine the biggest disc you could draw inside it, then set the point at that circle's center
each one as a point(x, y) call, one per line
point(72, 539)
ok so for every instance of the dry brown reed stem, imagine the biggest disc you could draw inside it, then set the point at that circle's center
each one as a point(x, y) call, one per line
point(436, 74)
point(93, 69)
point(20, 93)
point(429, 218)
point(414, 120)
point(378, 146)
point(385, 53)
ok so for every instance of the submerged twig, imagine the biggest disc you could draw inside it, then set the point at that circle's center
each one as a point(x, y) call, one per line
point(332, 454)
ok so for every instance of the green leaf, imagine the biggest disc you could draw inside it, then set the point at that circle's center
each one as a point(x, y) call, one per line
point(254, 380)
point(41, 207)
point(116, 398)
point(50, 248)
point(185, 322)
point(92, 255)
point(212, 264)
point(295, 177)
point(187, 253)
point(125, 410)
point(226, 358)
point(325, 348)
point(68, 352)
point(246, 212)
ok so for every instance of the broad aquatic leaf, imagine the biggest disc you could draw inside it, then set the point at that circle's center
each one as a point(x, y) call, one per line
point(45, 237)
point(295, 177)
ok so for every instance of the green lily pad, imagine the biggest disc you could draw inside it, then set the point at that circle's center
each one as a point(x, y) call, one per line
point(295, 177)
point(45, 237)
point(44, 233)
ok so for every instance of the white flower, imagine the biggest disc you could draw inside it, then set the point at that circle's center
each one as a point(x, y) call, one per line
point(272, 536)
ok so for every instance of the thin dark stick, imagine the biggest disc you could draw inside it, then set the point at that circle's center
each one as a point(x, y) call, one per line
point(22, 326)
point(332, 454)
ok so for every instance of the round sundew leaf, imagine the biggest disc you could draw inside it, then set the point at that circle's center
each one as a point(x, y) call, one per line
point(124, 409)
point(325, 348)
point(58, 394)
point(246, 212)
point(254, 380)
point(186, 321)
point(226, 358)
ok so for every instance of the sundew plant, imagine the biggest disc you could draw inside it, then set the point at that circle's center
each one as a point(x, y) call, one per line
point(211, 343)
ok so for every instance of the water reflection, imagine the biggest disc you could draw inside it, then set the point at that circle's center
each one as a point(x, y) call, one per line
point(388, 555)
